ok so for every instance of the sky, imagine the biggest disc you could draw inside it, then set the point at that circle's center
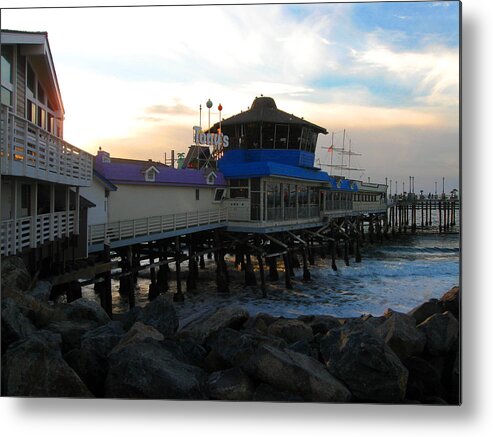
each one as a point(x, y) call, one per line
point(132, 79)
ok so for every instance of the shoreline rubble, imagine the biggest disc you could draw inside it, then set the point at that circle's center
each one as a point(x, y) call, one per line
point(75, 350)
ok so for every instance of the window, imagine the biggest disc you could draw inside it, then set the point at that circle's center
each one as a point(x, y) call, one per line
point(31, 80)
point(40, 107)
point(150, 175)
point(238, 188)
point(7, 75)
point(218, 195)
point(211, 179)
point(197, 194)
point(31, 111)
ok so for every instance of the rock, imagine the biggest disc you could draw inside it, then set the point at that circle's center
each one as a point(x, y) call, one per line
point(320, 324)
point(303, 347)
point(451, 301)
point(267, 393)
point(40, 313)
point(227, 317)
point(15, 325)
point(357, 355)
point(231, 385)
point(441, 331)
point(375, 322)
point(34, 367)
point(291, 330)
point(259, 323)
point(91, 360)
point(137, 334)
point(425, 310)
point(295, 373)
point(148, 371)
point(193, 353)
point(231, 348)
point(129, 317)
point(161, 314)
point(41, 291)
point(424, 379)
point(83, 309)
point(15, 276)
point(71, 332)
point(401, 335)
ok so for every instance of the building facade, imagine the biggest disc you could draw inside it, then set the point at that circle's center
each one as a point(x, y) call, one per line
point(41, 173)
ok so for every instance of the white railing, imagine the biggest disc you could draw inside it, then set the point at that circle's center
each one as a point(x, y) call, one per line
point(357, 207)
point(29, 232)
point(148, 226)
point(28, 150)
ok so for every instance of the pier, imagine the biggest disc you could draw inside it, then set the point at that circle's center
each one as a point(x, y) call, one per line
point(417, 214)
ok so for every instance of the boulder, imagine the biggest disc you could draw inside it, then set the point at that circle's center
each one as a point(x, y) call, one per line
point(303, 347)
point(230, 385)
point(424, 379)
point(40, 313)
point(267, 393)
point(82, 309)
point(137, 334)
point(161, 314)
point(375, 322)
point(146, 370)
point(34, 367)
point(129, 317)
point(231, 348)
point(193, 353)
point(259, 323)
point(291, 330)
point(91, 360)
point(441, 331)
point(320, 324)
point(15, 276)
point(71, 332)
point(41, 291)
point(425, 310)
point(295, 373)
point(401, 335)
point(15, 325)
point(451, 301)
point(357, 355)
point(227, 317)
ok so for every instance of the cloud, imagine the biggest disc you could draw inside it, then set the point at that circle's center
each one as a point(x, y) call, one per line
point(177, 109)
point(431, 74)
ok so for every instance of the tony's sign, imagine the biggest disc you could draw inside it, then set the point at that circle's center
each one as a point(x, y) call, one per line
point(209, 139)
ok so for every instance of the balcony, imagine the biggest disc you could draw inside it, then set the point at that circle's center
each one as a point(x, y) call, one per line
point(29, 232)
point(29, 151)
point(126, 232)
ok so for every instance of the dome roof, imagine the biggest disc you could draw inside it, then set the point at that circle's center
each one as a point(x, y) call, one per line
point(264, 103)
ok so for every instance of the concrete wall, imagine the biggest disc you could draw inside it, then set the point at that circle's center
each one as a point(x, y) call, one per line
point(139, 201)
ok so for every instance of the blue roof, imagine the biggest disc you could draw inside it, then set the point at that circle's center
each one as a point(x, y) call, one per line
point(268, 168)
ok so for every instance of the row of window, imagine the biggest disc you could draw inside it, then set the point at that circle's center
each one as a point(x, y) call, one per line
point(257, 135)
point(40, 109)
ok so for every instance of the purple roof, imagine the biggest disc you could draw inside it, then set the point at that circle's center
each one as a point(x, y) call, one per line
point(127, 171)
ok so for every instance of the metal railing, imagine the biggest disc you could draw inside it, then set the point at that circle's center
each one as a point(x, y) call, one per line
point(30, 151)
point(147, 226)
point(33, 231)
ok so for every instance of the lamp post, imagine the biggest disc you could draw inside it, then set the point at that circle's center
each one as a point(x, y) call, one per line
point(209, 106)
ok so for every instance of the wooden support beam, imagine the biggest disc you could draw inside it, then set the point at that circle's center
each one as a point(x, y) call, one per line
point(178, 296)
point(287, 270)
point(263, 287)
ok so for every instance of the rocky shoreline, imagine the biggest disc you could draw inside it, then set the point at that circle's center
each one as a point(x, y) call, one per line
point(75, 350)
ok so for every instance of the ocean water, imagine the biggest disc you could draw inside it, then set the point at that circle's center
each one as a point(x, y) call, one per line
point(397, 274)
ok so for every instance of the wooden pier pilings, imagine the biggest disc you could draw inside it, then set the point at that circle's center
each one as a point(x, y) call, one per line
point(441, 213)
point(291, 252)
